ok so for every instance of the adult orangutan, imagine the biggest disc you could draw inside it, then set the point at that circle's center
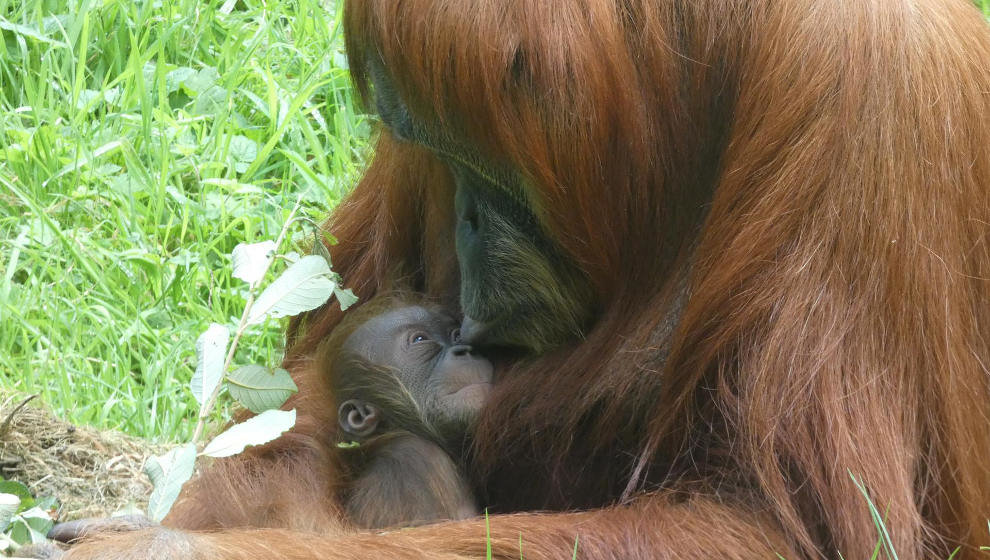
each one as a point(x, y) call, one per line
point(733, 258)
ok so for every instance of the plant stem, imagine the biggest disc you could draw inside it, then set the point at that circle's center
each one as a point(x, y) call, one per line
point(207, 407)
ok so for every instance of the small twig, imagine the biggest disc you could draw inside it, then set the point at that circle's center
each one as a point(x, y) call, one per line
point(40, 481)
point(204, 410)
point(5, 427)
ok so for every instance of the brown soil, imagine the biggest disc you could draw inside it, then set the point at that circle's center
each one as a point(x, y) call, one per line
point(91, 473)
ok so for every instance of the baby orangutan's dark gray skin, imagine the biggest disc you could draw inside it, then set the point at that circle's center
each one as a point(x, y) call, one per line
point(408, 391)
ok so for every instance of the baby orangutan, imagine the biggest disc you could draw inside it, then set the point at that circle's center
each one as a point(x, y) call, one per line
point(407, 392)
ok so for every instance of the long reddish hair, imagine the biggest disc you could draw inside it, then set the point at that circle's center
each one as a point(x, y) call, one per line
point(784, 211)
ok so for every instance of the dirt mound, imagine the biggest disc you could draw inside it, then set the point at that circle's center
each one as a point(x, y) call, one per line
point(91, 473)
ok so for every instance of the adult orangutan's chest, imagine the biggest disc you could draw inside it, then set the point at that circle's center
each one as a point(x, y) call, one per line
point(526, 479)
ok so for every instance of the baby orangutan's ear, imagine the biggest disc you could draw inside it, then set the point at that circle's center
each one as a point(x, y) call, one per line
point(358, 418)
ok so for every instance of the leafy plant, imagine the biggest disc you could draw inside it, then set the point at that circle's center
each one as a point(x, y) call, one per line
point(23, 518)
point(139, 143)
point(307, 283)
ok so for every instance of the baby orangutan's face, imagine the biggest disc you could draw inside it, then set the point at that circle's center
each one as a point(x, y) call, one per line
point(446, 378)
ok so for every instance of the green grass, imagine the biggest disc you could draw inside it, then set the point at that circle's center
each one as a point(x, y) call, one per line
point(139, 142)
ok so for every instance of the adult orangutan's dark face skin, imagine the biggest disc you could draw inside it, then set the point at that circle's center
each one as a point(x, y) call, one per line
point(517, 288)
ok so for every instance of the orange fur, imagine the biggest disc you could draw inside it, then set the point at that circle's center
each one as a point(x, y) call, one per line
point(784, 210)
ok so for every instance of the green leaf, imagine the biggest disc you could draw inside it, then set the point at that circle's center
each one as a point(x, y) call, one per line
point(254, 431)
point(31, 526)
point(305, 285)
point(42, 233)
point(88, 96)
point(243, 152)
point(175, 78)
point(202, 80)
point(211, 352)
point(168, 473)
point(251, 260)
point(17, 489)
point(47, 503)
point(259, 388)
point(84, 160)
point(8, 507)
point(30, 33)
point(210, 102)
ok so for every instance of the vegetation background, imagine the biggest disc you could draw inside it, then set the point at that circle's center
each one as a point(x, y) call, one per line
point(140, 141)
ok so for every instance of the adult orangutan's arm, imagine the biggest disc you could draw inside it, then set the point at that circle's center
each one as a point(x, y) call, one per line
point(653, 527)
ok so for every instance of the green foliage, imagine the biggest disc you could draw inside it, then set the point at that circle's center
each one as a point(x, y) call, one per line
point(139, 144)
point(23, 518)
point(259, 388)
point(304, 285)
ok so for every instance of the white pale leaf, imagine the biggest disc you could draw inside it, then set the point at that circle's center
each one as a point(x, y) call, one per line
point(211, 351)
point(305, 285)
point(251, 260)
point(8, 507)
point(259, 388)
point(254, 431)
point(38, 519)
point(168, 473)
point(346, 298)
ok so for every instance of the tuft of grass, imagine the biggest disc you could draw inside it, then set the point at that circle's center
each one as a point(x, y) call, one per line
point(139, 143)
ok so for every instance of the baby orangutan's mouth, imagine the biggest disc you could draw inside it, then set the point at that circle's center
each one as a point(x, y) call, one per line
point(483, 387)
point(472, 396)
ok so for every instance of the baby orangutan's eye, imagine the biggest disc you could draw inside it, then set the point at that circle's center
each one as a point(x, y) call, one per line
point(416, 338)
